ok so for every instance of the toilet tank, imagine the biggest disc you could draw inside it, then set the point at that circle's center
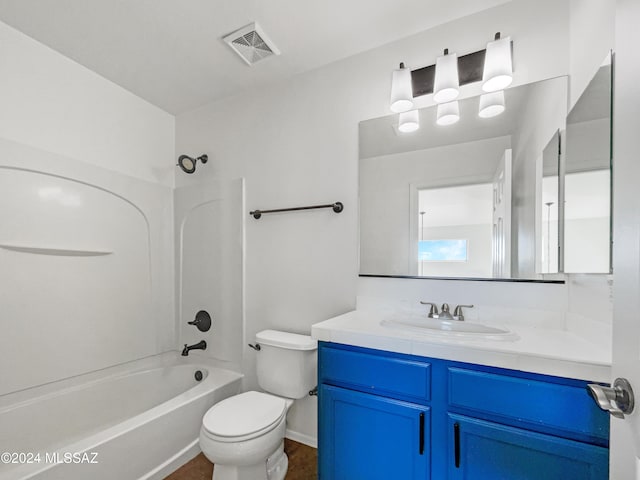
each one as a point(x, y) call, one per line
point(286, 363)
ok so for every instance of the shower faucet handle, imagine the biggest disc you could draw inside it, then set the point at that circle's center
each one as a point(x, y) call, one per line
point(202, 321)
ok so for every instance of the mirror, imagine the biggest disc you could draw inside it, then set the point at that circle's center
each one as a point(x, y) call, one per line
point(465, 200)
point(587, 178)
point(548, 205)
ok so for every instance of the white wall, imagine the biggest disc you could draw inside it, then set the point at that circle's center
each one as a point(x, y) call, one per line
point(588, 145)
point(52, 103)
point(533, 304)
point(591, 37)
point(385, 196)
point(587, 245)
point(296, 143)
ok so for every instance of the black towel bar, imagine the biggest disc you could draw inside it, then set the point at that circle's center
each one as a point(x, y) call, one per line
point(337, 207)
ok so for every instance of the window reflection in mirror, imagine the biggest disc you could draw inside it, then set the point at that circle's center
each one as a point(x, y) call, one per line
point(478, 175)
point(455, 231)
point(587, 228)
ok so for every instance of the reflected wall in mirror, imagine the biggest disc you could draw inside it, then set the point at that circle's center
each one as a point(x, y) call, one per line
point(587, 179)
point(549, 235)
point(463, 200)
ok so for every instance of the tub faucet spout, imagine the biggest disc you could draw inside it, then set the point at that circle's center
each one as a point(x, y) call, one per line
point(202, 345)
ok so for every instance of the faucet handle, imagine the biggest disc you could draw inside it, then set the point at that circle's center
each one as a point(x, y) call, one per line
point(202, 321)
point(458, 314)
point(433, 311)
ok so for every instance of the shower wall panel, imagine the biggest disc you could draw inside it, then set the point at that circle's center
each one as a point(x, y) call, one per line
point(85, 268)
point(209, 229)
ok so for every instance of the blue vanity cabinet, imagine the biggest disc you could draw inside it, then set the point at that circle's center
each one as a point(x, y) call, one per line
point(374, 416)
point(370, 437)
point(483, 450)
point(385, 415)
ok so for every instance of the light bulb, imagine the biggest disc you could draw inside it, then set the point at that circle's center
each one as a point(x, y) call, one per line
point(401, 90)
point(448, 113)
point(498, 66)
point(446, 83)
point(409, 121)
point(491, 104)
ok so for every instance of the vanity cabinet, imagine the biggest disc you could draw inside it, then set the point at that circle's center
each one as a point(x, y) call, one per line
point(386, 415)
point(488, 450)
point(371, 435)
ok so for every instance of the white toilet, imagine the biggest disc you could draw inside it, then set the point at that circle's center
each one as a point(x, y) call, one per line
point(243, 435)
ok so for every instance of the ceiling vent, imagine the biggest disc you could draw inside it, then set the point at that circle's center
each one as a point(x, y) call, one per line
point(251, 43)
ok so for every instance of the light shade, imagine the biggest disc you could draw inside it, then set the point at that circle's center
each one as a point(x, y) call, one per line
point(448, 113)
point(401, 90)
point(498, 66)
point(491, 104)
point(446, 83)
point(409, 121)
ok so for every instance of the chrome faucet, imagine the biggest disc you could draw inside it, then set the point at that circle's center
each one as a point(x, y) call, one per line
point(201, 345)
point(445, 314)
point(433, 311)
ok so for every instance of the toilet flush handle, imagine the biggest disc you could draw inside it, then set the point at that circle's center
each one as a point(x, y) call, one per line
point(256, 347)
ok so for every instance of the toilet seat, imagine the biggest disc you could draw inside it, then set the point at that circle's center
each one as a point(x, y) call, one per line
point(243, 417)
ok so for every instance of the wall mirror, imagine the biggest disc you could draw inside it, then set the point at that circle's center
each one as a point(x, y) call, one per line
point(587, 168)
point(475, 199)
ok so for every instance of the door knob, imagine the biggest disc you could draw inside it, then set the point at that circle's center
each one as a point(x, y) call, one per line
point(617, 400)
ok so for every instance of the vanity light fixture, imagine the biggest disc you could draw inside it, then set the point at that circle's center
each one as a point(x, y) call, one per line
point(448, 113)
point(498, 65)
point(401, 90)
point(446, 85)
point(409, 121)
point(493, 66)
point(491, 104)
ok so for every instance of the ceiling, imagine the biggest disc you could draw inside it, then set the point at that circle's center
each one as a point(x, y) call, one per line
point(595, 101)
point(170, 52)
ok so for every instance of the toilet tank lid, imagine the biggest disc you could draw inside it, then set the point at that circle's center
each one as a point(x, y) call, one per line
point(292, 341)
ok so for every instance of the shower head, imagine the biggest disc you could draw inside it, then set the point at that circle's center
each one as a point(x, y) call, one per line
point(188, 164)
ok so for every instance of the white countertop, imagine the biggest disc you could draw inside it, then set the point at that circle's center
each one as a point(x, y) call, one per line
point(538, 350)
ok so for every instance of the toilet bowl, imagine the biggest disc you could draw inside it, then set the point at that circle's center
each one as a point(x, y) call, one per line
point(243, 435)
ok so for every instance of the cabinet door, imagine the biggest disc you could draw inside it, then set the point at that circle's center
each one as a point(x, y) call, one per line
point(480, 450)
point(364, 436)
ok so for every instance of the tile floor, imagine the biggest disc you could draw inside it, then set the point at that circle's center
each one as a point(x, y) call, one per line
point(303, 462)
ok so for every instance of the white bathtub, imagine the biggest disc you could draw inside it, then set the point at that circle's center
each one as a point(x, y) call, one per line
point(137, 421)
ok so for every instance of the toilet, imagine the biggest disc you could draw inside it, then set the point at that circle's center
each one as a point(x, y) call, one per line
point(243, 435)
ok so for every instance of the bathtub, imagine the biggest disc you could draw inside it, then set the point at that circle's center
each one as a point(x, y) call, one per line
point(136, 421)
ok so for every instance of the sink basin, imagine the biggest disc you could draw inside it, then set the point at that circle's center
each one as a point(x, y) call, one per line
point(449, 328)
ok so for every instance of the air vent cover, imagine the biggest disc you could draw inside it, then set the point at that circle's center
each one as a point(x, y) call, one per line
point(251, 43)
